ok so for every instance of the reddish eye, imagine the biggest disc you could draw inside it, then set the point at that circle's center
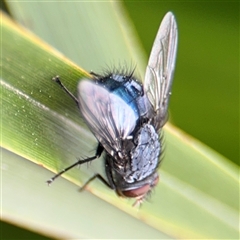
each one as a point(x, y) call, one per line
point(136, 192)
point(141, 191)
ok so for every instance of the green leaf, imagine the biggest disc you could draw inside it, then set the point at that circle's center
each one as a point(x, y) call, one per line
point(196, 198)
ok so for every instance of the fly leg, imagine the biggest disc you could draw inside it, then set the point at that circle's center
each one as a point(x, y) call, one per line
point(110, 183)
point(99, 177)
point(58, 81)
point(79, 162)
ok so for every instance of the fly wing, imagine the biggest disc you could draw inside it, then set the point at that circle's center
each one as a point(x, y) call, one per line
point(160, 69)
point(110, 118)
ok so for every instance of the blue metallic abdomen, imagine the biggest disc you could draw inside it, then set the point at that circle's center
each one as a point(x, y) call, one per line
point(130, 90)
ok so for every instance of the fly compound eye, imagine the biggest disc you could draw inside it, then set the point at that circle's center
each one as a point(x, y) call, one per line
point(141, 191)
point(137, 192)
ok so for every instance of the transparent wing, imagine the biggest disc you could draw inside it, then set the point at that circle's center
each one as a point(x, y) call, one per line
point(110, 119)
point(160, 69)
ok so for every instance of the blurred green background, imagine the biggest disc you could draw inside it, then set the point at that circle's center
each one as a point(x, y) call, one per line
point(205, 100)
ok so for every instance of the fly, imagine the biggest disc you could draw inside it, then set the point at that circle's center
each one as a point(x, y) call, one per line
point(127, 117)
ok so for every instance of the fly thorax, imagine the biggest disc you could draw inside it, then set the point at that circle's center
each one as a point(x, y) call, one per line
point(144, 155)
